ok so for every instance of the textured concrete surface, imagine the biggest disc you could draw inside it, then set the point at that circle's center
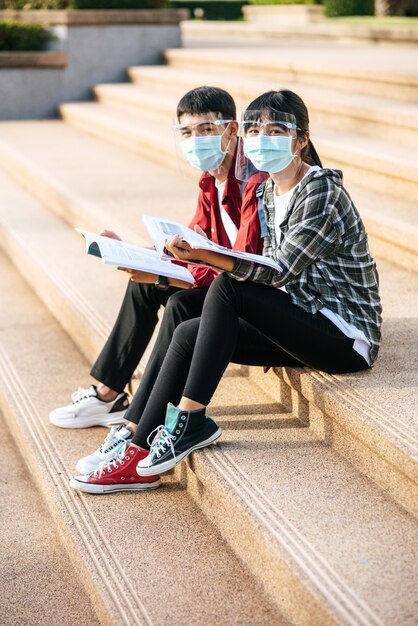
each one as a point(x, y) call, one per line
point(158, 546)
point(91, 182)
point(39, 583)
point(342, 515)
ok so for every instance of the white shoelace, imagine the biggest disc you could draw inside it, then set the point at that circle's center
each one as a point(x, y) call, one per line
point(109, 437)
point(162, 438)
point(81, 394)
point(108, 465)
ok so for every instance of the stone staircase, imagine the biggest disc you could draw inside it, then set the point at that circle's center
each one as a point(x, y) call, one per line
point(305, 512)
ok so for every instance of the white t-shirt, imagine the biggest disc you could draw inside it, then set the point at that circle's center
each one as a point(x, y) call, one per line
point(361, 343)
point(231, 229)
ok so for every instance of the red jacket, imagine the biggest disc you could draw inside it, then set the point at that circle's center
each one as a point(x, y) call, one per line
point(241, 204)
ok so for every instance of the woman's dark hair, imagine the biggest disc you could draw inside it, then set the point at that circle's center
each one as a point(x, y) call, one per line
point(207, 100)
point(285, 101)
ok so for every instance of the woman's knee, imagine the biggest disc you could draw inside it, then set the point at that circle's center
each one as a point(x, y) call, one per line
point(185, 335)
point(225, 289)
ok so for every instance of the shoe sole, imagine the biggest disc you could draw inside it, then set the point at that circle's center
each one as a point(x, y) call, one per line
point(102, 489)
point(109, 419)
point(168, 465)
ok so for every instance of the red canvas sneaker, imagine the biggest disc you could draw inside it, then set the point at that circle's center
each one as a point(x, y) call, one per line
point(117, 475)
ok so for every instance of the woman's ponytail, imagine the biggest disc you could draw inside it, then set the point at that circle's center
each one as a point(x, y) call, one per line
point(310, 155)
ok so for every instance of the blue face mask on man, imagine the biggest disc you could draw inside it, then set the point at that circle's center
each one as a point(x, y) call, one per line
point(269, 153)
point(203, 153)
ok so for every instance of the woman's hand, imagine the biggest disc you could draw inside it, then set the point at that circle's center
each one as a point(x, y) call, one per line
point(180, 249)
point(110, 234)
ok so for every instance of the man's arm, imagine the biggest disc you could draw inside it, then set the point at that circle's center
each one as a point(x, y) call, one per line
point(147, 277)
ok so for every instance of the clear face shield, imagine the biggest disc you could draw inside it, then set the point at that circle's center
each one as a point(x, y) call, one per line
point(204, 141)
point(267, 144)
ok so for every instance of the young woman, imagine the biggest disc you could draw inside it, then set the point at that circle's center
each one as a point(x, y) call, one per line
point(320, 308)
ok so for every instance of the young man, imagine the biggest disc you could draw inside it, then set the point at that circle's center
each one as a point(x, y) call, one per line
point(227, 213)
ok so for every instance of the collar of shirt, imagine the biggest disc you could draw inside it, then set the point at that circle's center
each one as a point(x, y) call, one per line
point(232, 194)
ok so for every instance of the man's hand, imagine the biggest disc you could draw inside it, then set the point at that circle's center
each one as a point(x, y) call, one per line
point(110, 234)
point(136, 276)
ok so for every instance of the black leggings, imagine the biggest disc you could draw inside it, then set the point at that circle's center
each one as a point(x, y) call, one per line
point(246, 323)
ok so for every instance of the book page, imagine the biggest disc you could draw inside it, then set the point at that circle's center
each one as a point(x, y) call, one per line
point(160, 230)
point(122, 254)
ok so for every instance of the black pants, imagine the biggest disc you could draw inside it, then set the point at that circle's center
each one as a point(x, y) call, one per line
point(245, 323)
point(133, 330)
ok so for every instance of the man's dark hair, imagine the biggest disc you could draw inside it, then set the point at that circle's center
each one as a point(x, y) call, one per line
point(207, 100)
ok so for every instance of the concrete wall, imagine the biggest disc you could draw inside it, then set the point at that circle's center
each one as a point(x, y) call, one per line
point(96, 53)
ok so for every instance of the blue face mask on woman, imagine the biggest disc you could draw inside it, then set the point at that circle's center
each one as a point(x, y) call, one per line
point(203, 153)
point(269, 153)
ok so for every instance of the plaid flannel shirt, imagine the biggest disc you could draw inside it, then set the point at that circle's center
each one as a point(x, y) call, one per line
point(323, 254)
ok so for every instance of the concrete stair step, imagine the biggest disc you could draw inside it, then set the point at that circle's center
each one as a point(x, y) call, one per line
point(91, 183)
point(373, 163)
point(268, 31)
point(130, 551)
point(309, 506)
point(146, 136)
point(369, 418)
point(392, 226)
point(46, 576)
point(75, 290)
point(339, 68)
point(381, 440)
point(320, 543)
point(373, 116)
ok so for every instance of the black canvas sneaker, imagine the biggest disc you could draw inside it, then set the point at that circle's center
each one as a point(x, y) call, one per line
point(182, 433)
point(87, 409)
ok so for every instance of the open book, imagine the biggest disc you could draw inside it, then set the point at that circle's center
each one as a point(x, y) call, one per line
point(115, 252)
point(160, 230)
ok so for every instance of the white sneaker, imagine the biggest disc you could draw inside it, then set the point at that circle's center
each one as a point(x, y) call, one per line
point(119, 438)
point(87, 409)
